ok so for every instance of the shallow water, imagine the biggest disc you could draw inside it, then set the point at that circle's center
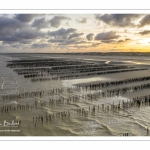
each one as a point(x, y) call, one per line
point(133, 120)
point(72, 82)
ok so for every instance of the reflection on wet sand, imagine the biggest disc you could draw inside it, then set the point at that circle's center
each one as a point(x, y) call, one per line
point(64, 95)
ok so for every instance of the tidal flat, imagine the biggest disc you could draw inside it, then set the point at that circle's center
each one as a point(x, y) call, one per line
point(74, 95)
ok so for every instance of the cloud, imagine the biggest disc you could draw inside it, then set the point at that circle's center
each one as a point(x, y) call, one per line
point(25, 17)
point(79, 47)
point(90, 36)
point(125, 40)
point(56, 40)
point(22, 36)
point(67, 24)
point(74, 35)
point(145, 21)
point(15, 45)
point(62, 37)
point(9, 25)
point(121, 20)
point(108, 41)
point(26, 41)
point(39, 45)
point(29, 31)
point(40, 23)
point(106, 37)
point(145, 32)
point(82, 42)
point(82, 21)
point(66, 41)
point(120, 41)
point(62, 33)
point(28, 34)
point(56, 20)
point(62, 41)
point(95, 44)
point(69, 42)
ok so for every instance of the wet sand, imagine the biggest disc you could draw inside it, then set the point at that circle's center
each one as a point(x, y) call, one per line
point(66, 108)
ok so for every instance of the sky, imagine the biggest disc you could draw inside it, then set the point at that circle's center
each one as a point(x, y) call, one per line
point(66, 33)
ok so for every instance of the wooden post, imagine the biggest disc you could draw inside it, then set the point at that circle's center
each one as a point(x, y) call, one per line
point(103, 107)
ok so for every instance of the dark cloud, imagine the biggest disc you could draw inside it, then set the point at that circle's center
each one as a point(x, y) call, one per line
point(120, 41)
point(15, 45)
point(145, 21)
point(40, 23)
point(125, 40)
point(23, 31)
point(61, 33)
point(25, 17)
point(62, 41)
point(108, 41)
point(13, 31)
point(26, 41)
point(9, 40)
point(121, 20)
point(90, 36)
point(22, 36)
point(82, 21)
point(28, 34)
point(81, 42)
point(75, 35)
point(106, 37)
point(39, 45)
point(69, 42)
point(56, 20)
point(65, 37)
point(145, 32)
point(9, 25)
point(56, 40)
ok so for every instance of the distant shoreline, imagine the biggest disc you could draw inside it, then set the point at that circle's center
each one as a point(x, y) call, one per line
point(92, 53)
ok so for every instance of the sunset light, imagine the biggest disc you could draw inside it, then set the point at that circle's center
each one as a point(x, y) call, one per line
point(51, 33)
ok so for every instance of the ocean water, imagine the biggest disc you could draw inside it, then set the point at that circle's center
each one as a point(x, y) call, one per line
point(134, 121)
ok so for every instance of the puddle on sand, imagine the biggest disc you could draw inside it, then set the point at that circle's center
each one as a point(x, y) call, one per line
point(72, 82)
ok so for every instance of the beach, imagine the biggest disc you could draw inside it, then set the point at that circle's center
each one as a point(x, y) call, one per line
point(63, 95)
